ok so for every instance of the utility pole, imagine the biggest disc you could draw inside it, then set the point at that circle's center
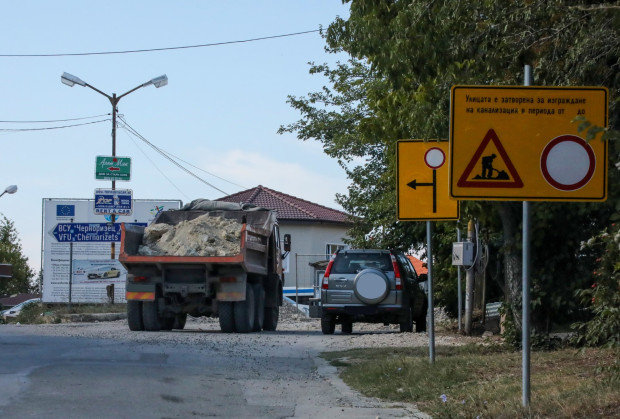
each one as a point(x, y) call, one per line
point(469, 283)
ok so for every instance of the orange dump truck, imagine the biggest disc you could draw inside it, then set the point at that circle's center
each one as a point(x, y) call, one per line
point(243, 289)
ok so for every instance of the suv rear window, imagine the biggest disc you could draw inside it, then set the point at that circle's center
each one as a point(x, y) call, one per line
point(350, 263)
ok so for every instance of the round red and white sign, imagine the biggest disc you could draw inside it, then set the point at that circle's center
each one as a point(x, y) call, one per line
point(434, 158)
point(567, 162)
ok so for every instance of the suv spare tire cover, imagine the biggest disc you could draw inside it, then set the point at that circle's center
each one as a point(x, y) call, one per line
point(371, 286)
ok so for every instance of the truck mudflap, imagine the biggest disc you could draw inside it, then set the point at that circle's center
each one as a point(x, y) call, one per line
point(142, 296)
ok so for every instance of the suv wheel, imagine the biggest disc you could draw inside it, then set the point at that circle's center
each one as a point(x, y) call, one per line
point(328, 324)
point(406, 325)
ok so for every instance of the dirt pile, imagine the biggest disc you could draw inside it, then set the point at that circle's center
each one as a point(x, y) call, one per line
point(202, 236)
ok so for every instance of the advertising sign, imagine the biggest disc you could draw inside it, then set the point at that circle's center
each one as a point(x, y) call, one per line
point(113, 168)
point(113, 201)
point(70, 227)
point(517, 143)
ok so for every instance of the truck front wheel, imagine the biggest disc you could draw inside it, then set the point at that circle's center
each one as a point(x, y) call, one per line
point(134, 315)
point(272, 314)
point(259, 307)
point(150, 316)
point(244, 311)
point(179, 321)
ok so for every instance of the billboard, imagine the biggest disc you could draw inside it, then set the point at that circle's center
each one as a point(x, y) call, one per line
point(77, 245)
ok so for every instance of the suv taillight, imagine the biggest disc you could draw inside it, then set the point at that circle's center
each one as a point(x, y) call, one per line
point(328, 270)
point(399, 284)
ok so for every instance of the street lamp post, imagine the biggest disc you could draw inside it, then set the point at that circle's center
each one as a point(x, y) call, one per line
point(11, 189)
point(71, 80)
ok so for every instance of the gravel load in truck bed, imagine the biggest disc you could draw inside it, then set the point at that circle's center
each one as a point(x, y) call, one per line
point(202, 236)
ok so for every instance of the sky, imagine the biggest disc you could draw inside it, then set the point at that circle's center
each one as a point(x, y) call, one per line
point(220, 111)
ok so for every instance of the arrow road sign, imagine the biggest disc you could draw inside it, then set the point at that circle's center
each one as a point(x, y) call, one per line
point(418, 199)
point(88, 232)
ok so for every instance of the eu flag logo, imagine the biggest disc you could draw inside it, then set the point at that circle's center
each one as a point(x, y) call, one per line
point(65, 210)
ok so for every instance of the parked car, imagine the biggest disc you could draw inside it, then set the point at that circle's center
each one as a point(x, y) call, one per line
point(107, 272)
point(15, 310)
point(372, 286)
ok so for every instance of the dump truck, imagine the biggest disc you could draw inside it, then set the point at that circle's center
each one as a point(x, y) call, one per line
point(243, 288)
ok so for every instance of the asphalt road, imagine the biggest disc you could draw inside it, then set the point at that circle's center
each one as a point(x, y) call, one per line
point(104, 371)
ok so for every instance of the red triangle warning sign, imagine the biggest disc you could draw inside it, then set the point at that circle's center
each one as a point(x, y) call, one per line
point(486, 170)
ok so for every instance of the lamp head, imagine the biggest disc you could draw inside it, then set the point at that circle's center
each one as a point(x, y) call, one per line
point(160, 81)
point(11, 189)
point(70, 80)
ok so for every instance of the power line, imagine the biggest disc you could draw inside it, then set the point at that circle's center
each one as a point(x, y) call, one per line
point(133, 51)
point(166, 156)
point(50, 128)
point(55, 120)
point(155, 165)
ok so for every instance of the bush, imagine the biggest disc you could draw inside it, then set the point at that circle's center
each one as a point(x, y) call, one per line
point(602, 299)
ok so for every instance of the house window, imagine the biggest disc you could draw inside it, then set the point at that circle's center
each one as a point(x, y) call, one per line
point(331, 248)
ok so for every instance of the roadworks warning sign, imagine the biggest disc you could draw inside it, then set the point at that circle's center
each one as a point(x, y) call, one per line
point(519, 143)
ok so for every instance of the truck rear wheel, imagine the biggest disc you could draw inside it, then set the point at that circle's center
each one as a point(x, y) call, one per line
point(259, 307)
point(226, 313)
point(272, 314)
point(150, 316)
point(244, 312)
point(134, 315)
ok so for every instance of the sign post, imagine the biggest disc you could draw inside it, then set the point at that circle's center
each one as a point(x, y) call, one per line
point(422, 195)
point(514, 143)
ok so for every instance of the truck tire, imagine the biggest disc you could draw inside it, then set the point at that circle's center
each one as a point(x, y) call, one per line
point(259, 307)
point(272, 315)
point(179, 321)
point(150, 316)
point(227, 316)
point(244, 312)
point(134, 315)
point(328, 324)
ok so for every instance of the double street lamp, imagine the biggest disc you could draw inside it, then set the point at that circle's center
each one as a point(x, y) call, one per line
point(71, 80)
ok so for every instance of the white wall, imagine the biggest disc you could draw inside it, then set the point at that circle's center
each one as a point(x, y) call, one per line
point(306, 240)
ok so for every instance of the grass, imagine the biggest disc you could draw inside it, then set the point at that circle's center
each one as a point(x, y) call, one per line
point(485, 381)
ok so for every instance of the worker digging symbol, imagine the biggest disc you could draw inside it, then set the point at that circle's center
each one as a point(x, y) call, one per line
point(490, 177)
point(488, 169)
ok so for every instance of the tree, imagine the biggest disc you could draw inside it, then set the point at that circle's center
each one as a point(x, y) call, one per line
point(405, 56)
point(11, 253)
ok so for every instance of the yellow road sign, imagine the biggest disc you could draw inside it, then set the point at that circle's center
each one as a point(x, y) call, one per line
point(422, 182)
point(517, 143)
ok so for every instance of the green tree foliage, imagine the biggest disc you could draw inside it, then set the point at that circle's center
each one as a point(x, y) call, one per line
point(11, 253)
point(404, 57)
point(602, 298)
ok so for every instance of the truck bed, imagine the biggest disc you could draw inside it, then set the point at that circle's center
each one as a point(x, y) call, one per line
point(253, 247)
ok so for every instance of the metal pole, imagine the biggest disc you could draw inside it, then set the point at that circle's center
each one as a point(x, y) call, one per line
point(114, 102)
point(525, 332)
point(296, 284)
point(71, 264)
point(431, 304)
point(469, 284)
point(458, 283)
